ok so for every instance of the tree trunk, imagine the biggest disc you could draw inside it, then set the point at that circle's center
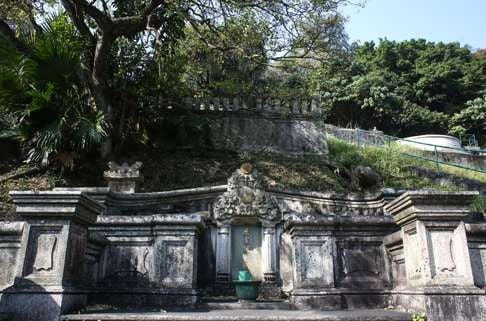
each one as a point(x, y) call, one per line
point(101, 90)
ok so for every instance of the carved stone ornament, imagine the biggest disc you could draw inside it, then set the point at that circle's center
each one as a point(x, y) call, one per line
point(123, 171)
point(246, 196)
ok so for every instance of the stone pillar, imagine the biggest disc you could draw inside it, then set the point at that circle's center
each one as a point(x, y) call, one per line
point(258, 104)
point(439, 279)
point(236, 104)
point(269, 254)
point(123, 178)
point(223, 255)
point(52, 259)
point(296, 106)
point(269, 289)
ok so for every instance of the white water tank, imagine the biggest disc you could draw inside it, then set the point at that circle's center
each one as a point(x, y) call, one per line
point(443, 143)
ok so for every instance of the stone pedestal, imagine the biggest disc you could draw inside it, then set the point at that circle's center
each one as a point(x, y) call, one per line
point(439, 280)
point(49, 280)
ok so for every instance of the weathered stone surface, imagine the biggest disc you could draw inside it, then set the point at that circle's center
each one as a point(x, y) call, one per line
point(245, 206)
point(434, 237)
point(246, 196)
point(10, 248)
point(148, 259)
point(50, 270)
point(268, 134)
point(247, 315)
point(322, 250)
point(56, 205)
point(123, 178)
point(439, 277)
point(476, 240)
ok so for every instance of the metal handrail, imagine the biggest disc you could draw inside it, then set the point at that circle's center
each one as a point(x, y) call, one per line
point(387, 139)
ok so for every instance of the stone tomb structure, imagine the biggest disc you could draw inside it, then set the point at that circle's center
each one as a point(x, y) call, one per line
point(418, 252)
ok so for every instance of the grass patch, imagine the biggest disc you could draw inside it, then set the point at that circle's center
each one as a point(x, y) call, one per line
point(393, 166)
point(479, 205)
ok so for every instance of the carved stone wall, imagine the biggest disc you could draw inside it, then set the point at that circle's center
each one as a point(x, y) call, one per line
point(324, 250)
point(246, 200)
point(148, 260)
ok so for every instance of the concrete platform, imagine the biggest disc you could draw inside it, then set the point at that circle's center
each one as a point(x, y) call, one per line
point(246, 315)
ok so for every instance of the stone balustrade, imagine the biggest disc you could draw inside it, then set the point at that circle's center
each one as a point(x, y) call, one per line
point(289, 107)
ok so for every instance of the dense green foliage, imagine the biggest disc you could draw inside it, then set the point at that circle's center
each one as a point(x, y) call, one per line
point(42, 102)
point(59, 107)
point(406, 88)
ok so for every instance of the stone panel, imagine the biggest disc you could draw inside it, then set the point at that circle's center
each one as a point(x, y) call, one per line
point(127, 265)
point(314, 263)
point(44, 254)
point(175, 263)
point(360, 263)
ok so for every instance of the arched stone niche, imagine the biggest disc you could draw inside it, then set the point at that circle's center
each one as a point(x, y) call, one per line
point(246, 202)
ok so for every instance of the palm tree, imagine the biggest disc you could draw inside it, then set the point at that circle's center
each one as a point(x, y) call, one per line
point(43, 103)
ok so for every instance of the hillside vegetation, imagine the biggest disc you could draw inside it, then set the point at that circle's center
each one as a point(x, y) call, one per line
point(178, 169)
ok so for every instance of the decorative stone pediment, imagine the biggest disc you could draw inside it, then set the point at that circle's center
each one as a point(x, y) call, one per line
point(246, 197)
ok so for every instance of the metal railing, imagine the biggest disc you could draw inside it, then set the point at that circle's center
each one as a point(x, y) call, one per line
point(474, 160)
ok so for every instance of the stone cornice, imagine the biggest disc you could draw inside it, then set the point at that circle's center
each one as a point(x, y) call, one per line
point(427, 205)
point(194, 219)
point(57, 204)
point(298, 219)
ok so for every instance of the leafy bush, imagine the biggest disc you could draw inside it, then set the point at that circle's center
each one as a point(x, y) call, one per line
point(419, 317)
point(42, 101)
point(471, 119)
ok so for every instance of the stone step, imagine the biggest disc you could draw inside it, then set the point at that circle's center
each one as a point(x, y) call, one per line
point(246, 305)
point(246, 315)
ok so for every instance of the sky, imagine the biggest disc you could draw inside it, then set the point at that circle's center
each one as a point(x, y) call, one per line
point(435, 20)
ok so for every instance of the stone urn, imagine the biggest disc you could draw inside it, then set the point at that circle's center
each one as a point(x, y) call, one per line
point(246, 288)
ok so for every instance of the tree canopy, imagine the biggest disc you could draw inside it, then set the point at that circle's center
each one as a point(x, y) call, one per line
point(78, 74)
point(404, 88)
